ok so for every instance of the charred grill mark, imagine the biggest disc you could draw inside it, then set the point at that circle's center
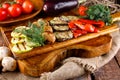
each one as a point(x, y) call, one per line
point(18, 46)
point(24, 45)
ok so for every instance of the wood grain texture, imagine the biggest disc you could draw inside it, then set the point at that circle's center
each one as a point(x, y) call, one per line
point(118, 58)
point(111, 71)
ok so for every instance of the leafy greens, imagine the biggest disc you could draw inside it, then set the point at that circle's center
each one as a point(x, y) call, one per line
point(99, 12)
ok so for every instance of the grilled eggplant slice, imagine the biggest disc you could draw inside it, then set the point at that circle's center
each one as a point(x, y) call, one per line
point(60, 27)
point(57, 20)
point(68, 18)
point(62, 36)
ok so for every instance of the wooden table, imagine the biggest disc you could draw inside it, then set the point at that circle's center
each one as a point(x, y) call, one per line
point(110, 71)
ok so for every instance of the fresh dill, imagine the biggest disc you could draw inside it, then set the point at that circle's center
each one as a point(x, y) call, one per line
point(33, 32)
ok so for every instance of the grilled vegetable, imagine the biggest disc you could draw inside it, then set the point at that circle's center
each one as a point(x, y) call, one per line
point(56, 21)
point(49, 36)
point(60, 27)
point(68, 18)
point(98, 23)
point(17, 40)
point(61, 23)
point(21, 48)
point(55, 7)
point(62, 36)
point(31, 43)
point(80, 27)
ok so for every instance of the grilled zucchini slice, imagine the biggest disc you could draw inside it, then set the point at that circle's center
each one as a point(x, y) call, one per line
point(17, 40)
point(21, 48)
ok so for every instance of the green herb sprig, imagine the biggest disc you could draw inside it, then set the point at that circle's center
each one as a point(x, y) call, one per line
point(99, 12)
point(33, 32)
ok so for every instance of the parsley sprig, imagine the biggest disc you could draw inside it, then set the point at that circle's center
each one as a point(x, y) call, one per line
point(99, 12)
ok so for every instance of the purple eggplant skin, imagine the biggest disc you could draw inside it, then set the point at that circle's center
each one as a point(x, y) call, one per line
point(58, 6)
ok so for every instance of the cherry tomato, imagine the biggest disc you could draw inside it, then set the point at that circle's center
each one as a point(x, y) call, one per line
point(15, 10)
point(5, 5)
point(19, 1)
point(3, 14)
point(82, 10)
point(27, 6)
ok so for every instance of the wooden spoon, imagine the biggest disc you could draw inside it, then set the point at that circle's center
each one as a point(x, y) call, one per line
point(37, 8)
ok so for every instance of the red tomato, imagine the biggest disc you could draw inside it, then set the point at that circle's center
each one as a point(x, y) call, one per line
point(19, 1)
point(5, 5)
point(15, 10)
point(82, 10)
point(27, 6)
point(3, 14)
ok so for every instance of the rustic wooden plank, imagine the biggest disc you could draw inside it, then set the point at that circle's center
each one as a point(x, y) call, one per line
point(111, 71)
point(16, 76)
point(118, 57)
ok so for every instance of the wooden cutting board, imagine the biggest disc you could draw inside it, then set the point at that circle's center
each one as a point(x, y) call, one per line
point(57, 45)
point(34, 66)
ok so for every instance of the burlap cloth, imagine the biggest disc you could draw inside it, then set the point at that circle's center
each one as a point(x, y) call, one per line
point(72, 67)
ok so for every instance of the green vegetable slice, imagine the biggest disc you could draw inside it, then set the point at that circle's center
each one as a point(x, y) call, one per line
point(21, 48)
point(17, 40)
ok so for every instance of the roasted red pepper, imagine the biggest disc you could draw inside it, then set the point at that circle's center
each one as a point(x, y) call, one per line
point(93, 22)
point(85, 26)
point(79, 28)
point(76, 30)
